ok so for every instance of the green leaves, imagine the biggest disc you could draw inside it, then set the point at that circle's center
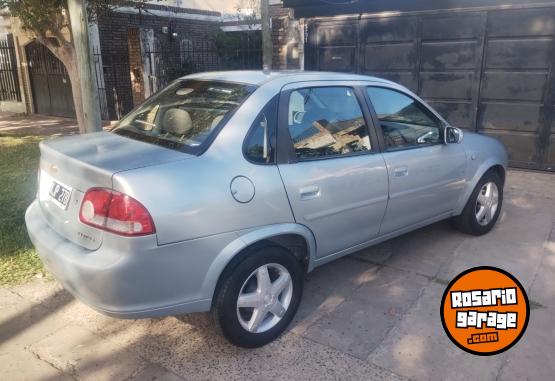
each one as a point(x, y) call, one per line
point(45, 17)
point(40, 16)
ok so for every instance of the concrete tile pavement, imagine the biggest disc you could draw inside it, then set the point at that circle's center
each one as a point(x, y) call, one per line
point(418, 348)
point(373, 315)
point(543, 286)
point(360, 323)
point(41, 125)
point(24, 366)
point(73, 342)
point(82, 354)
point(532, 358)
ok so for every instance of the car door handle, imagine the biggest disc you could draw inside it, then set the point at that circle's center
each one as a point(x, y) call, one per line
point(401, 171)
point(309, 192)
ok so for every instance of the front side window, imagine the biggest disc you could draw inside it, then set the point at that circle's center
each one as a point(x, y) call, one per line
point(185, 115)
point(405, 122)
point(326, 121)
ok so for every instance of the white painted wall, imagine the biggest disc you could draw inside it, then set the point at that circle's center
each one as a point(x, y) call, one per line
point(223, 6)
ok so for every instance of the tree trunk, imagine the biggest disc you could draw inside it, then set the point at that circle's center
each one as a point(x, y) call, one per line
point(77, 98)
point(82, 59)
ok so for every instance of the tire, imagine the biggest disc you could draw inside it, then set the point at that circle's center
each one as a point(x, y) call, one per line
point(468, 221)
point(243, 279)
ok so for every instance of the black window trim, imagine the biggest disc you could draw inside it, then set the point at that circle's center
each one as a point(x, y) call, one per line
point(285, 148)
point(377, 122)
point(272, 135)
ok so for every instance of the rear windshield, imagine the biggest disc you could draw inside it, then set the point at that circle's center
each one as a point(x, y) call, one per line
point(186, 115)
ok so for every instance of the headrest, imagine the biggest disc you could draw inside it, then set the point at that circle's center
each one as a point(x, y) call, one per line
point(177, 122)
point(215, 122)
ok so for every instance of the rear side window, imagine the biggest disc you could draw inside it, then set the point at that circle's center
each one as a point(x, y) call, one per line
point(186, 115)
point(326, 121)
point(260, 144)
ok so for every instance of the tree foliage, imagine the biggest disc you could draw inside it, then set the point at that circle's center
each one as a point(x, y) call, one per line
point(48, 19)
point(248, 11)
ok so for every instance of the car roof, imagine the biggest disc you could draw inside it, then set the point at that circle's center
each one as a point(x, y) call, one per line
point(261, 77)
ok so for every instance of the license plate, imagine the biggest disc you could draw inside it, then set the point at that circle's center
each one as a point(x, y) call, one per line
point(60, 194)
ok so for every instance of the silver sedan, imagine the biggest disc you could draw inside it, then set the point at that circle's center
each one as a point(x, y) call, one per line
point(220, 192)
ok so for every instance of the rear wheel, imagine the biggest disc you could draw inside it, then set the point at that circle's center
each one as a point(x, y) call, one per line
point(483, 207)
point(259, 297)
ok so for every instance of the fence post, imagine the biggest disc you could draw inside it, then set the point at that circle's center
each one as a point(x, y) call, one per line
point(266, 35)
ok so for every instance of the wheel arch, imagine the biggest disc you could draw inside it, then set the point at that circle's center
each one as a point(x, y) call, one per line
point(500, 170)
point(488, 165)
point(294, 237)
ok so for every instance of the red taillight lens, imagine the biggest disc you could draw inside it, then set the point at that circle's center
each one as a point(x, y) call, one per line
point(115, 212)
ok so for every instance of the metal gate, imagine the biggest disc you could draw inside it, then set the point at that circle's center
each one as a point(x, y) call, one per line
point(490, 71)
point(50, 82)
point(9, 80)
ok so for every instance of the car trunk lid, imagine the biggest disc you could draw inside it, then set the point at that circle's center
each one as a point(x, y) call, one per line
point(72, 165)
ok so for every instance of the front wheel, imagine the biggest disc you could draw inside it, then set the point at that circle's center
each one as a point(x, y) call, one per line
point(483, 207)
point(259, 297)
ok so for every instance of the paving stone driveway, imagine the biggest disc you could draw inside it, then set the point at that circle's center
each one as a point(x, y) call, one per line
point(373, 315)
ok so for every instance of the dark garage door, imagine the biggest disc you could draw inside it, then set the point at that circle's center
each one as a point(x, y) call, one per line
point(49, 82)
point(490, 71)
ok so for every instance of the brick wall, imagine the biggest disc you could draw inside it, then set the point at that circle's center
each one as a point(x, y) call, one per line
point(136, 65)
point(287, 39)
point(114, 43)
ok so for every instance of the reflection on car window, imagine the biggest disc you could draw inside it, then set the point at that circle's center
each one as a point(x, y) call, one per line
point(326, 121)
point(405, 122)
point(185, 114)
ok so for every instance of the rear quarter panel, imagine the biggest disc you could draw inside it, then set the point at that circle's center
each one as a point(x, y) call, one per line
point(192, 198)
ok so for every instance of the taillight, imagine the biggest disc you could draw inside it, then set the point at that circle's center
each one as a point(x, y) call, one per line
point(115, 212)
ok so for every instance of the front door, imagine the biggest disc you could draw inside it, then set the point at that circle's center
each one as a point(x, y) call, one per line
point(426, 176)
point(329, 161)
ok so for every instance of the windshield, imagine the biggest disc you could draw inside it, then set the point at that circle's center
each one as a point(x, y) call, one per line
point(186, 115)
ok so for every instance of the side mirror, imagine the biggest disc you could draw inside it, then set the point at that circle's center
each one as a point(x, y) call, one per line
point(453, 135)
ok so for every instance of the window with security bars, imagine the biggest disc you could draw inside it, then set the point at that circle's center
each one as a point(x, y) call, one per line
point(9, 81)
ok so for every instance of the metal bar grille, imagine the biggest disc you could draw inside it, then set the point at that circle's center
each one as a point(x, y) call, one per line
point(9, 80)
point(163, 63)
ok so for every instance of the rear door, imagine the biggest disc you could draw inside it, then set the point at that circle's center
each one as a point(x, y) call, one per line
point(329, 161)
point(426, 176)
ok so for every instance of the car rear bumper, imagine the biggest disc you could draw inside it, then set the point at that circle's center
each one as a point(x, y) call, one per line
point(130, 277)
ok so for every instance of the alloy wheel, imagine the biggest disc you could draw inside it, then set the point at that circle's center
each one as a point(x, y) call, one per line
point(487, 203)
point(264, 298)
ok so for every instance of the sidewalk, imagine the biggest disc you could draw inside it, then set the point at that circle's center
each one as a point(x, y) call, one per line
point(39, 125)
